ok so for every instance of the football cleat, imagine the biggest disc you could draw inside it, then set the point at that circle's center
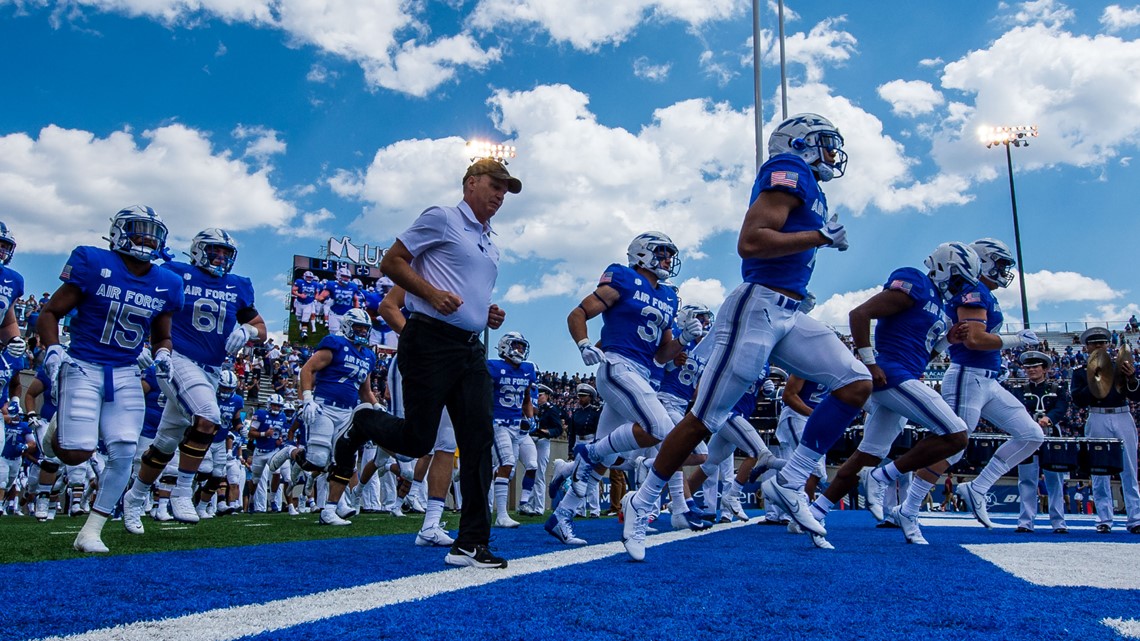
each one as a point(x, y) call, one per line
point(976, 501)
point(413, 504)
point(909, 525)
point(689, 519)
point(329, 517)
point(89, 543)
point(563, 530)
point(876, 493)
point(279, 457)
point(133, 507)
point(562, 471)
point(633, 528)
point(505, 521)
point(731, 500)
point(435, 536)
point(162, 514)
point(794, 503)
point(41, 509)
point(1021, 529)
point(584, 463)
point(1103, 528)
point(293, 510)
point(182, 507)
point(204, 512)
point(820, 541)
point(479, 556)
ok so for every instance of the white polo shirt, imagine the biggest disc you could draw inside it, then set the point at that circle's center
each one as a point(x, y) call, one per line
point(454, 252)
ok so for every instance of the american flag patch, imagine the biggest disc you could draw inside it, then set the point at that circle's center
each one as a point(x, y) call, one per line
point(971, 297)
point(606, 278)
point(901, 285)
point(784, 178)
point(66, 273)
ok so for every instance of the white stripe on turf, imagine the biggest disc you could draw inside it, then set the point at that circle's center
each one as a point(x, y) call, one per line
point(1125, 627)
point(225, 624)
point(1113, 566)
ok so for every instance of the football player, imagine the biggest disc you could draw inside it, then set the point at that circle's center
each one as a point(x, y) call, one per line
point(230, 406)
point(334, 380)
point(341, 295)
point(637, 310)
point(786, 222)
point(11, 289)
point(217, 320)
point(119, 297)
point(911, 326)
point(305, 303)
point(800, 398)
point(512, 377)
point(267, 431)
point(382, 334)
point(971, 385)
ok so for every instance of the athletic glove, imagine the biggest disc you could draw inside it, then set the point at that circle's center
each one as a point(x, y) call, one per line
point(310, 410)
point(241, 335)
point(835, 233)
point(163, 369)
point(692, 330)
point(17, 347)
point(591, 355)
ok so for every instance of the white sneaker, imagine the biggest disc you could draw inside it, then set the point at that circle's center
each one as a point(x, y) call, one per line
point(90, 543)
point(162, 514)
point(909, 527)
point(413, 504)
point(203, 511)
point(505, 521)
point(731, 501)
point(348, 505)
point(633, 528)
point(794, 528)
point(279, 457)
point(397, 512)
point(293, 510)
point(876, 493)
point(435, 536)
point(794, 503)
point(976, 501)
point(563, 530)
point(133, 512)
point(182, 507)
point(820, 541)
point(41, 509)
point(329, 517)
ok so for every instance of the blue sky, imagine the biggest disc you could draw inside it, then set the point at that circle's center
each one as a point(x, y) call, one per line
point(288, 122)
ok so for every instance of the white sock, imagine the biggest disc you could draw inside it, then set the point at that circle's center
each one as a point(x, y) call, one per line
point(433, 513)
point(918, 491)
point(502, 486)
point(618, 441)
point(821, 506)
point(799, 467)
point(886, 473)
point(647, 495)
point(94, 523)
point(677, 488)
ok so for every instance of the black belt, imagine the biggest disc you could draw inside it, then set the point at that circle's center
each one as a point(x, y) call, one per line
point(445, 328)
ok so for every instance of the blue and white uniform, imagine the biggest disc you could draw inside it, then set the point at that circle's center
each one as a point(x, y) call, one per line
point(199, 331)
point(11, 289)
point(382, 333)
point(155, 404)
point(305, 299)
point(511, 386)
point(100, 395)
point(903, 345)
point(343, 296)
point(755, 320)
point(273, 426)
point(216, 459)
point(971, 388)
point(631, 334)
point(336, 388)
point(17, 435)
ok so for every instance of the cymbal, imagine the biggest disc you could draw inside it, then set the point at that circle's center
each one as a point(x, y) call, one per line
point(1100, 371)
point(1124, 356)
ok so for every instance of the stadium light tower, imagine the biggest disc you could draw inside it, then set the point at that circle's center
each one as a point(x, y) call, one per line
point(477, 149)
point(1017, 137)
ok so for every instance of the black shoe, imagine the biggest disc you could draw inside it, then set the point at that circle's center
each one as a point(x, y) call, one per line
point(1022, 529)
point(477, 557)
point(888, 524)
point(1061, 530)
point(1135, 529)
point(767, 521)
point(1103, 528)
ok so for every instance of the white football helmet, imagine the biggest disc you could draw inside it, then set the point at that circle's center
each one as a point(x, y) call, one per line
point(509, 349)
point(648, 250)
point(7, 244)
point(275, 400)
point(204, 251)
point(997, 262)
point(290, 407)
point(808, 135)
point(227, 384)
point(343, 275)
point(356, 326)
point(952, 267)
point(699, 312)
point(358, 283)
point(134, 230)
point(309, 276)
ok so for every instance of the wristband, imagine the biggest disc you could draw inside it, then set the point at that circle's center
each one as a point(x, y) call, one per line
point(1010, 340)
point(585, 342)
point(866, 355)
point(307, 396)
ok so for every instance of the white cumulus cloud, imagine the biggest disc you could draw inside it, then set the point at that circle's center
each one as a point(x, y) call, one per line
point(911, 97)
point(643, 68)
point(1117, 18)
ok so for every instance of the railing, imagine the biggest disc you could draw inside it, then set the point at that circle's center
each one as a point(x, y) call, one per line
point(1046, 327)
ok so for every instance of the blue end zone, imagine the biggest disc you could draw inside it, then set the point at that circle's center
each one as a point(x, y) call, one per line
point(747, 583)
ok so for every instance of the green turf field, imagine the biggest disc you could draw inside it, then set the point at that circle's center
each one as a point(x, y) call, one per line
point(313, 338)
point(23, 539)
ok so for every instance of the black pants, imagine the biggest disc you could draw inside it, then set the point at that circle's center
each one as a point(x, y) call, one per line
point(441, 368)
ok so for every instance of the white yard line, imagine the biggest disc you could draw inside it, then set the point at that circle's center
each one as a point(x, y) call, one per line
point(1125, 627)
point(1111, 566)
point(225, 624)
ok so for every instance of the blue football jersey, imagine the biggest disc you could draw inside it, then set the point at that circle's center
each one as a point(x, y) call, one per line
point(10, 367)
point(47, 408)
point(904, 341)
point(155, 403)
point(306, 291)
point(633, 326)
point(343, 296)
point(15, 439)
point(267, 421)
point(682, 381)
point(209, 312)
point(747, 403)
point(231, 409)
point(350, 368)
point(789, 174)
point(11, 288)
point(509, 386)
point(117, 307)
point(372, 304)
point(978, 296)
point(812, 394)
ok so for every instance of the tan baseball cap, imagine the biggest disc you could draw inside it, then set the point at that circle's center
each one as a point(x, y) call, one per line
point(495, 169)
